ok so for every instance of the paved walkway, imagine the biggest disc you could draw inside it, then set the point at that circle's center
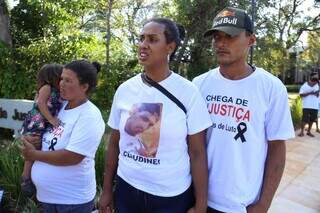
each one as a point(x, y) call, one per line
point(299, 190)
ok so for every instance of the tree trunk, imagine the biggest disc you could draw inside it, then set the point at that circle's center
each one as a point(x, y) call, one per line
point(4, 24)
point(108, 36)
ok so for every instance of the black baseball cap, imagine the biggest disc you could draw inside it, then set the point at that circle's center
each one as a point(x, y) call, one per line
point(232, 21)
point(313, 74)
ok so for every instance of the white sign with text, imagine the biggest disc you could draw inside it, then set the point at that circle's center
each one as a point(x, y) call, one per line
point(13, 112)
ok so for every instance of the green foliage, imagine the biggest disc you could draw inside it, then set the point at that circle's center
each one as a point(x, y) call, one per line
point(28, 21)
point(294, 88)
point(21, 65)
point(313, 52)
point(30, 207)
point(5, 62)
point(195, 56)
point(11, 164)
point(100, 162)
point(271, 55)
point(296, 111)
point(34, 19)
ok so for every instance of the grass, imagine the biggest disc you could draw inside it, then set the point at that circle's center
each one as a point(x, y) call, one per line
point(100, 161)
point(11, 164)
point(30, 207)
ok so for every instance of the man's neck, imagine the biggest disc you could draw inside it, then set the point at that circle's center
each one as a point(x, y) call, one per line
point(236, 72)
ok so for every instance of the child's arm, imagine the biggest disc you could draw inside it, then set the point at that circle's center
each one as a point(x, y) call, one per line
point(43, 96)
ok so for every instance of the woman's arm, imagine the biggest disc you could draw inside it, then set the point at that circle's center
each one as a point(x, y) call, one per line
point(112, 153)
point(59, 158)
point(199, 170)
point(43, 96)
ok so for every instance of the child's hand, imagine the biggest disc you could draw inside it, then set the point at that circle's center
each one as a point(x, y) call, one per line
point(54, 122)
point(27, 151)
point(35, 140)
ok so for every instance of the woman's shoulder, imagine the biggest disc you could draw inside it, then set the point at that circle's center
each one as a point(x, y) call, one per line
point(182, 82)
point(130, 84)
point(184, 90)
point(91, 110)
point(132, 80)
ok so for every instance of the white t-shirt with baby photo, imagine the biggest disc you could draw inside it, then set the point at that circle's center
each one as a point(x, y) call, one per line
point(153, 130)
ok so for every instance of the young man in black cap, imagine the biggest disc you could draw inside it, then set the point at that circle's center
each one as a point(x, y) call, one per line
point(309, 93)
point(251, 121)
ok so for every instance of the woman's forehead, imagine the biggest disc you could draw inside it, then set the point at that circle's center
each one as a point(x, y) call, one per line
point(152, 28)
point(68, 73)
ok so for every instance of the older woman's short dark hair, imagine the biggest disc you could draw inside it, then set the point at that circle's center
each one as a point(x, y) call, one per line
point(86, 72)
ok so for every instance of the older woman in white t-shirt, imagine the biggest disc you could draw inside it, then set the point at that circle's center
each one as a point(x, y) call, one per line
point(63, 171)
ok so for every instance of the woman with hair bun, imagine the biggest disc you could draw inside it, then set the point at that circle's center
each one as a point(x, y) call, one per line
point(148, 152)
point(63, 171)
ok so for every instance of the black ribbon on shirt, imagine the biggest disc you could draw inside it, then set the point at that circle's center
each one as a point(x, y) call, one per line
point(241, 128)
point(53, 142)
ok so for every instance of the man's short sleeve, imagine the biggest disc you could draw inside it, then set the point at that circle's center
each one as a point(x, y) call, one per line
point(278, 118)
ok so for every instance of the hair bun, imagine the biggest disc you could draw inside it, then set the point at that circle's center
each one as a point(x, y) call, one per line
point(182, 31)
point(97, 65)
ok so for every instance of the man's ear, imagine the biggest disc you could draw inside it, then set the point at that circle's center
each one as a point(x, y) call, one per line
point(252, 40)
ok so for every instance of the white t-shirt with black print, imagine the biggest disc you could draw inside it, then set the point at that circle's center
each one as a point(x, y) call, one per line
point(80, 131)
point(246, 114)
point(153, 129)
point(310, 101)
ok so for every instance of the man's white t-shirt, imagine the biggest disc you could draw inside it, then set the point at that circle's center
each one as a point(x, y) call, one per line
point(310, 101)
point(246, 114)
point(156, 160)
point(80, 131)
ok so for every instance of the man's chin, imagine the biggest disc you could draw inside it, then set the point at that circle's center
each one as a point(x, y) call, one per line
point(224, 61)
